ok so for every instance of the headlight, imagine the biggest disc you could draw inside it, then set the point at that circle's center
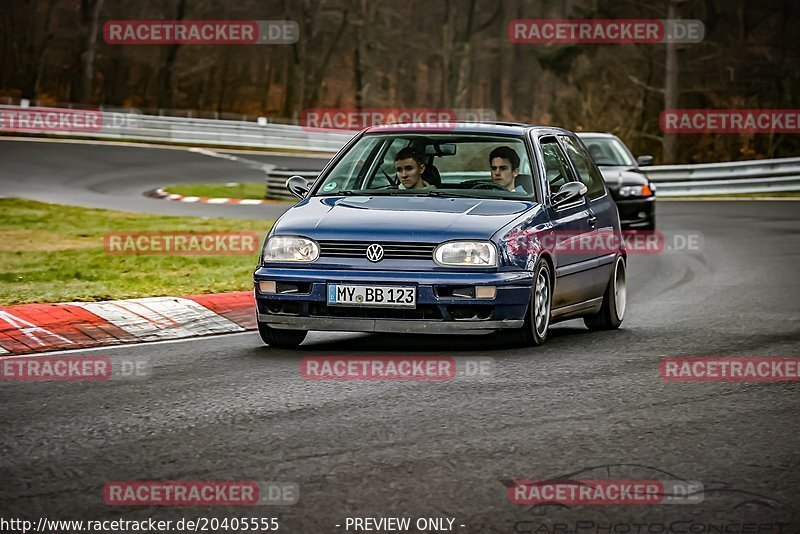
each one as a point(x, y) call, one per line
point(466, 254)
point(290, 248)
point(635, 191)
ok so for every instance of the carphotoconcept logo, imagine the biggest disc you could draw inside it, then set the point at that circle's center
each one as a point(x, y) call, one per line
point(693, 121)
point(605, 31)
point(197, 32)
point(730, 369)
point(181, 243)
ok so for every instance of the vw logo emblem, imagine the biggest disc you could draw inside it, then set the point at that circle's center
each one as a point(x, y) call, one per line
point(374, 253)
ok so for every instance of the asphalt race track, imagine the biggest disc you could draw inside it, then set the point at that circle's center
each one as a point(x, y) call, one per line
point(228, 408)
point(117, 176)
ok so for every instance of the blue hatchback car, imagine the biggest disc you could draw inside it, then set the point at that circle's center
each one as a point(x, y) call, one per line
point(442, 230)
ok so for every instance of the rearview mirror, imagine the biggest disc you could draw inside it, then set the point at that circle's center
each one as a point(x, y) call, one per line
point(298, 186)
point(568, 193)
point(644, 161)
point(442, 149)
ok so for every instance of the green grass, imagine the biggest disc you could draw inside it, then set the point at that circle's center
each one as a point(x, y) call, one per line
point(54, 253)
point(243, 190)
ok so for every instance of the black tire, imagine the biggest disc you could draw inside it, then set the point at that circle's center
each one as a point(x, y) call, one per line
point(612, 312)
point(534, 332)
point(281, 339)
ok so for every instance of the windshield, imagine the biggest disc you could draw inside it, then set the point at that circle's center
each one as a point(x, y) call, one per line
point(608, 151)
point(475, 166)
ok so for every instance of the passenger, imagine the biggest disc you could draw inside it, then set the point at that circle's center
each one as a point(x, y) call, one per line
point(504, 162)
point(410, 165)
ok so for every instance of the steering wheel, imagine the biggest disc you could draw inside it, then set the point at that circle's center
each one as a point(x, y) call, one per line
point(484, 185)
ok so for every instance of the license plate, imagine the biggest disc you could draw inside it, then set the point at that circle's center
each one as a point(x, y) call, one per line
point(375, 296)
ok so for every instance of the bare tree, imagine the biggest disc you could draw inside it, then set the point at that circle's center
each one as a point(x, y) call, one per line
point(90, 11)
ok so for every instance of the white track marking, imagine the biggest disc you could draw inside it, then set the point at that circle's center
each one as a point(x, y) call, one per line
point(28, 329)
point(156, 318)
point(127, 345)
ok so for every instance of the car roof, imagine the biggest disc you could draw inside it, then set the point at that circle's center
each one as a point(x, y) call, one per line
point(503, 128)
point(596, 134)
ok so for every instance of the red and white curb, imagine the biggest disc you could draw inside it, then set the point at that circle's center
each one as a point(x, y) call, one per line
point(160, 193)
point(29, 328)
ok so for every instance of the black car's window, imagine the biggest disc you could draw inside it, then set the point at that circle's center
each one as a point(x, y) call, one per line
point(454, 163)
point(587, 173)
point(556, 167)
point(608, 151)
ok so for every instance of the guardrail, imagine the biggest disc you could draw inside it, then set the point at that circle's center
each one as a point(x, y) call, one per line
point(203, 132)
point(738, 177)
point(757, 176)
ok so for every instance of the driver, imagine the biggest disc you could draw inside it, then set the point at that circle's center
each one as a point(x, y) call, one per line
point(504, 162)
point(410, 165)
point(595, 151)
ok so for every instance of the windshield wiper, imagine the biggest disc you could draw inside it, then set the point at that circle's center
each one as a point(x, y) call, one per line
point(363, 192)
point(445, 194)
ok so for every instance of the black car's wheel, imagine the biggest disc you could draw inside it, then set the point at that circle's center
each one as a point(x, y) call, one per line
point(537, 318)
point(612, 312)
point(280, 339)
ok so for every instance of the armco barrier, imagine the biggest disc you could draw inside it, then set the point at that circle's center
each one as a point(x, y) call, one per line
point(204, 132)
point(757, 176)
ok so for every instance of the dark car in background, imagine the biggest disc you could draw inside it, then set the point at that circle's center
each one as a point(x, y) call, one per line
point(629, 185)
point(361, 253)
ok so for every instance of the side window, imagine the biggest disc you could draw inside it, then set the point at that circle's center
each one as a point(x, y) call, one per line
point(556, 167)
point(387, 166)
point(587, 173)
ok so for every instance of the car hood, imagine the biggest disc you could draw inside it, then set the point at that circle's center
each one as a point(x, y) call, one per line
point(399, 218)
point(616, 177)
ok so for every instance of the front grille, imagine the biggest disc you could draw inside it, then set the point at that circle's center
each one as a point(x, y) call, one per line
point(394, 250)
point(424, 311)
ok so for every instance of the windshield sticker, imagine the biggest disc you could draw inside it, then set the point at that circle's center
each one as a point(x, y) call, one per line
point(330, 186)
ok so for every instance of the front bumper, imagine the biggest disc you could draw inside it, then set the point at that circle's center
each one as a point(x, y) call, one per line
point(637, 212)
point(435, 313)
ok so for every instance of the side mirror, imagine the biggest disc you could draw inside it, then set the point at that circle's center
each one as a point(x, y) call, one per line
point(568, 193)
point(644, 161)
point(298, 186)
